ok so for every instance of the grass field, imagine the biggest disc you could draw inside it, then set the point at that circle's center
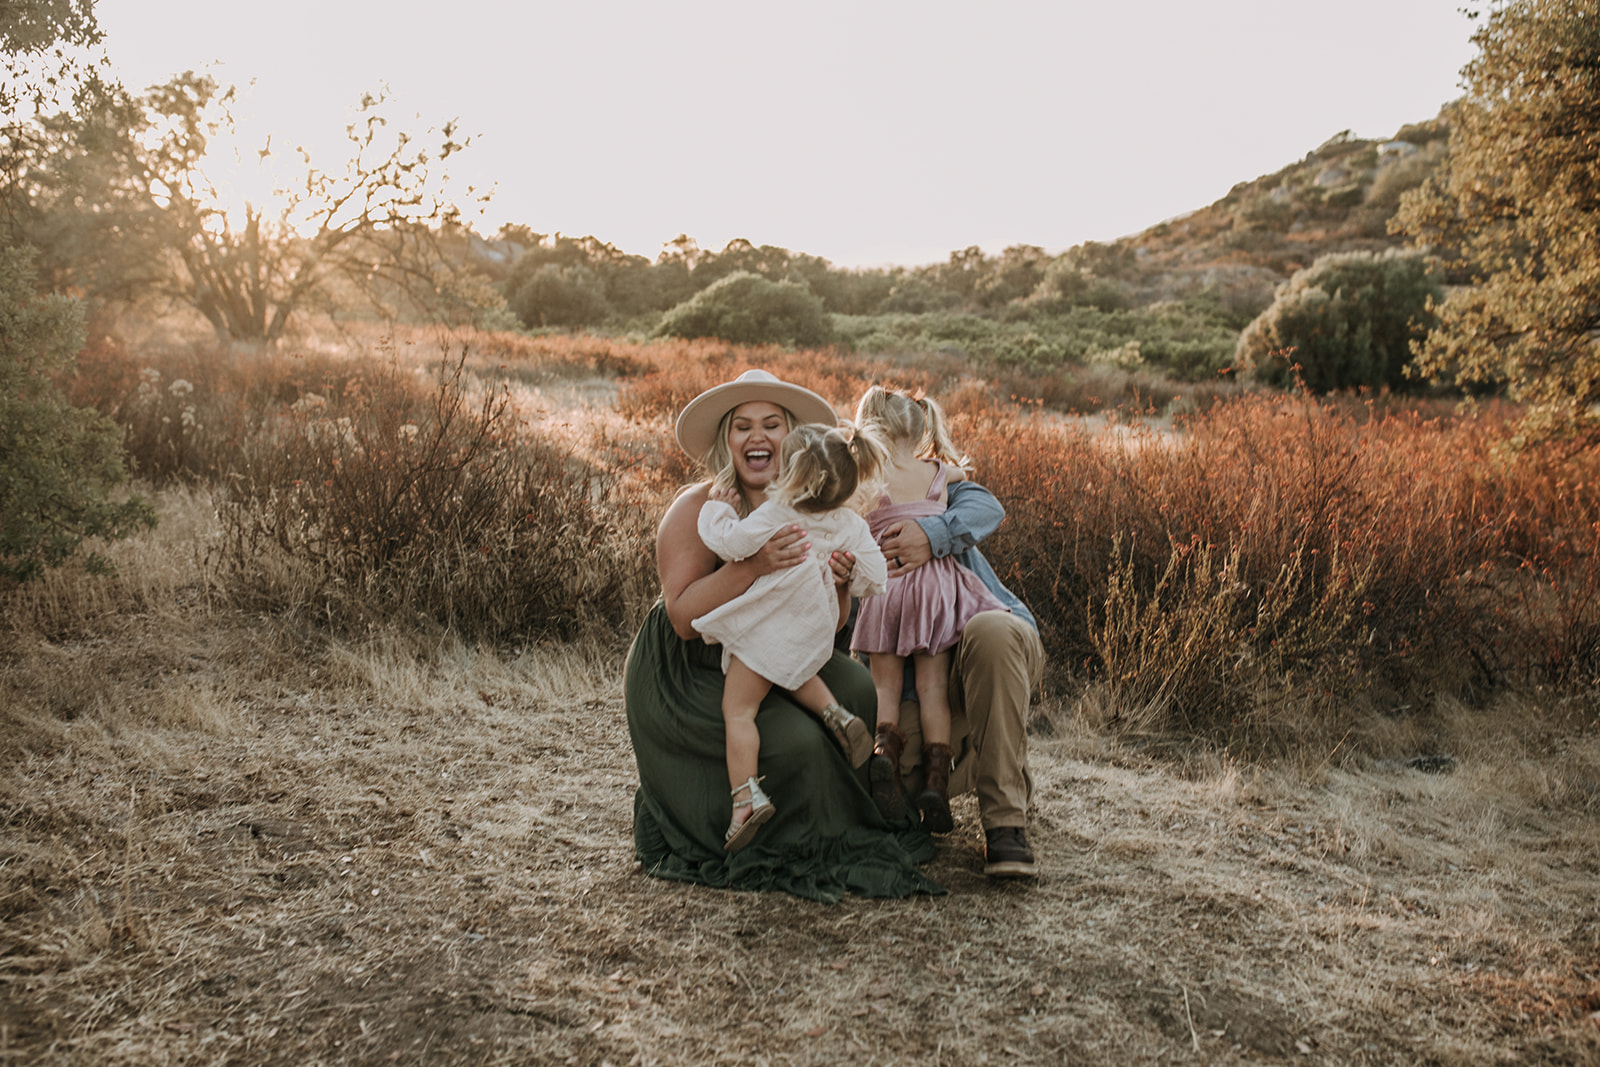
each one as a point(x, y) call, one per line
point(268, 828)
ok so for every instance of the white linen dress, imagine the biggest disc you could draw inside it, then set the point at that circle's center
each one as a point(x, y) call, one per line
point(783, 626)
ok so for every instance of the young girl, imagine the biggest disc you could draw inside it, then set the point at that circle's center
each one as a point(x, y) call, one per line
point(922, 613)
point(780, 631)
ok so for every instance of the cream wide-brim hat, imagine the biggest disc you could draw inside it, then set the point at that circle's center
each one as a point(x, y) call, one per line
point(697, 425)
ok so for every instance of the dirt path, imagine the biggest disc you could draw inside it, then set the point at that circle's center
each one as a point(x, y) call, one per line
point(312, 856)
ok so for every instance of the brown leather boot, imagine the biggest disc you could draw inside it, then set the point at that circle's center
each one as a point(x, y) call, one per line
point(883, 770)
point(933, 803)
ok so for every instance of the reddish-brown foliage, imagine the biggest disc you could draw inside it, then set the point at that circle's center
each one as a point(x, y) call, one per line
point(1284, 537)
point(1267, 545)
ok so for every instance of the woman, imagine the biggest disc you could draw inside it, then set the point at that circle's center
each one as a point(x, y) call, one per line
point(829, 838)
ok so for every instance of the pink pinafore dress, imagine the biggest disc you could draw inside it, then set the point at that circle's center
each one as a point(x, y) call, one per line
point(925, 610)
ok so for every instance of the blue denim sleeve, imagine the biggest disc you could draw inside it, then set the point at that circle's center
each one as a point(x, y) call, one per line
point(972, 515)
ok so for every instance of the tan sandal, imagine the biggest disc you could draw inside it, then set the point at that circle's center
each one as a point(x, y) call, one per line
point(761, 809)
point(850, 732)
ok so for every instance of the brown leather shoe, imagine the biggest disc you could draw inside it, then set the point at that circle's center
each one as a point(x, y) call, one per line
point(883, 771)
point(933, 803)
point(1006, 853)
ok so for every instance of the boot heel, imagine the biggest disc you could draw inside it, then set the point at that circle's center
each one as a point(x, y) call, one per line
point(933, 803)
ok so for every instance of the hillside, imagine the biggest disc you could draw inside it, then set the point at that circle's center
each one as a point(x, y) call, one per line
point(1167, 303)
point(1338, 198)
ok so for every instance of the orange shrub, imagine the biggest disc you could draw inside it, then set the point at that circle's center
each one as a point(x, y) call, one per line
point(187, 413)
point(1266, 547)
point(394, 502)
point(1274, 538)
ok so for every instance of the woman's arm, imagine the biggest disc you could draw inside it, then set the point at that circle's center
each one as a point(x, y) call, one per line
point(691, 582)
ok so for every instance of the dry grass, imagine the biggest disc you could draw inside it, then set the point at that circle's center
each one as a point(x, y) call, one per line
point(231, 838)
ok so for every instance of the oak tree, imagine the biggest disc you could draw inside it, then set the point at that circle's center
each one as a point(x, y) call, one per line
point(133, 206)
point(1515, 210)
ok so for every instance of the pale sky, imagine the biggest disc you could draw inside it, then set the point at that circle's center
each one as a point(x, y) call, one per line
point(870, 133)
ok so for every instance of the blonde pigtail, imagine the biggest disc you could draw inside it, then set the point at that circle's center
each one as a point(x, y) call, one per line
point(870, 454)
point(936, 442)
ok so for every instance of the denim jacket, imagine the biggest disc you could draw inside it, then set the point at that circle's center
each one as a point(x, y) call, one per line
point(973, 514)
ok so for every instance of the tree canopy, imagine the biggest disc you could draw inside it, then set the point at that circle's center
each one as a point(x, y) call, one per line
point(1515, 209)
point(126, 202)
point(48, 49)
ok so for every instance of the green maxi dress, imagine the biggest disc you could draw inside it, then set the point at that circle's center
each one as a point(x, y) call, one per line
point(827, 837)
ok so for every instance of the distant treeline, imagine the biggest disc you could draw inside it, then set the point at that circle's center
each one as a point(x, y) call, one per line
point(1022, 309)
point(560, 281)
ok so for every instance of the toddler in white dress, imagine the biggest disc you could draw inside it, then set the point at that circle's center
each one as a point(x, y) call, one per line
point(780, 631)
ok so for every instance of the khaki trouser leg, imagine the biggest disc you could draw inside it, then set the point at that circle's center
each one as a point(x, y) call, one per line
point(994, 671)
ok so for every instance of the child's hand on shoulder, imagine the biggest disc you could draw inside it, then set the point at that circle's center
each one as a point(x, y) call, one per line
point(953, 474)
point(725, 496)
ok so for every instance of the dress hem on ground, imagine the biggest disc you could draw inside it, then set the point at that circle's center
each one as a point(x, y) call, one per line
point(827, 838)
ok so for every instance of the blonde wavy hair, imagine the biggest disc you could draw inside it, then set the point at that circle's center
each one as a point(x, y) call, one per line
point(821, 467)
point(891, 416)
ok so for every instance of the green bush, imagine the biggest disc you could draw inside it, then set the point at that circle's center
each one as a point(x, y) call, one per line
point(58, 463)
point(745, 308)
point(1191, 339)
point(558, 295)
point(1012, 275)
point(917, 295)
point(1346, 321)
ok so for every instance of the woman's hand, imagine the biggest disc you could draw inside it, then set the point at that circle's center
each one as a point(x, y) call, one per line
point(906, 547)
point(844, 565)
point(784, 549)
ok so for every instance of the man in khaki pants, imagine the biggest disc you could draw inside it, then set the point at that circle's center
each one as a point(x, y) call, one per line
point(993, 672)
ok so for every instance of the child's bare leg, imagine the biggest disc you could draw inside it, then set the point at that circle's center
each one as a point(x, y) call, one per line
point(932, 673)
point(742, 693)
point(814, 695)
point(889, 679)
